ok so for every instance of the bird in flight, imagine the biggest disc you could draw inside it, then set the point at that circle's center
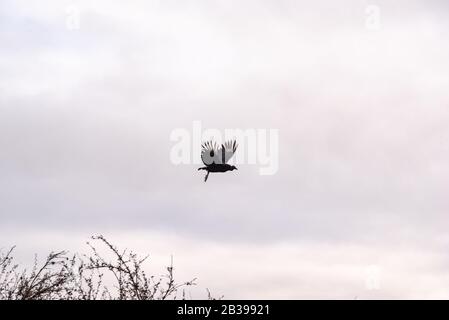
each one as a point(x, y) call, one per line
point(216, 160)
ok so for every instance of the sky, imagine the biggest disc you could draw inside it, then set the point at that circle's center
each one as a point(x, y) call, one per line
point(90, 93)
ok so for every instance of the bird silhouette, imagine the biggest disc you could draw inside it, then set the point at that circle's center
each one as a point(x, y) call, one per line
point(216, 160)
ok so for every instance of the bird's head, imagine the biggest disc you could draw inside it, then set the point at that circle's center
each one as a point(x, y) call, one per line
point(233, 168)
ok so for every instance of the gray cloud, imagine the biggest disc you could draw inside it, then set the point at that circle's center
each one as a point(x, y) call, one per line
point(85, 119)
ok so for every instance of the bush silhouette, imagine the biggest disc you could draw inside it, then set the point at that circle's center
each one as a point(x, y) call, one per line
point(82, 277)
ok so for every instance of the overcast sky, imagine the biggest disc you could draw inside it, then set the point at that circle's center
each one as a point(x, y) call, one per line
point(91, 91)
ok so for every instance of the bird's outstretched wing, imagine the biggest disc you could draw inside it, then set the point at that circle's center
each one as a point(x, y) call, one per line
point(227, 150)
point(210, 153)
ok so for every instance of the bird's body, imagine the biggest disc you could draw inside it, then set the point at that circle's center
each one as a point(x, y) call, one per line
point(218, 167)
point(216, 159)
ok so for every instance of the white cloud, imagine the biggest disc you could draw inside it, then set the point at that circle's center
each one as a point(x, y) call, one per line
point(86, 115)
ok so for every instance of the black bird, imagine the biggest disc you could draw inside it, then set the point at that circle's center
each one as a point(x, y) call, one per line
point(216, 159)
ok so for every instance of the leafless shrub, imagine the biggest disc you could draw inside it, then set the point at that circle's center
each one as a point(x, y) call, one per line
point(81, 277)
